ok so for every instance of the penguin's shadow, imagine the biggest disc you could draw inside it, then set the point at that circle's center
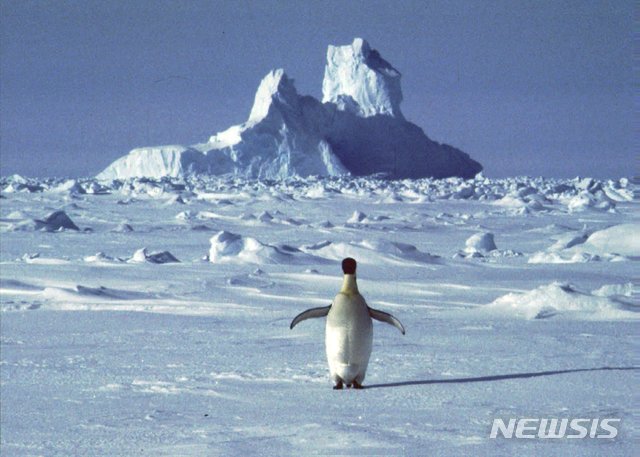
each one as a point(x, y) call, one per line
point(499, 377)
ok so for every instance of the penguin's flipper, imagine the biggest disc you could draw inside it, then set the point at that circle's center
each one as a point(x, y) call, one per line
point(386, 317)
point(309, 314)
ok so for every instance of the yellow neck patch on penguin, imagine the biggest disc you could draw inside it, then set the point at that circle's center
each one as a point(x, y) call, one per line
point(349, 285)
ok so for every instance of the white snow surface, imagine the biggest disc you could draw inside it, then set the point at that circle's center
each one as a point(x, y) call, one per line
point(616, 243)
point(161, 327)
point(557, 298)
point(358, 129)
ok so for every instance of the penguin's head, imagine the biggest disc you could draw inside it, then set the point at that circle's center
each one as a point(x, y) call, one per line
point(349, 266)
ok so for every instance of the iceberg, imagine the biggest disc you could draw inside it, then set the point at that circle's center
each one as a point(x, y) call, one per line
point(357, 129)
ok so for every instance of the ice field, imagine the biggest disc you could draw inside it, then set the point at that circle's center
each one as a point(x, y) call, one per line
point(145, 317)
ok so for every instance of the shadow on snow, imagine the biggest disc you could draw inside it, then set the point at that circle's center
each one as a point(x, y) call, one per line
point(500, 377)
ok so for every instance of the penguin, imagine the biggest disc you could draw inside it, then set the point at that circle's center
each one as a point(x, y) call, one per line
point(349, 330)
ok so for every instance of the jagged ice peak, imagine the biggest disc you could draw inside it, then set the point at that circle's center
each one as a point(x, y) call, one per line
point(358, 79)
point(276, 85)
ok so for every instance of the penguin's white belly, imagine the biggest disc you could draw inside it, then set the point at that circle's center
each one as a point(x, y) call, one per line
point(348, 338)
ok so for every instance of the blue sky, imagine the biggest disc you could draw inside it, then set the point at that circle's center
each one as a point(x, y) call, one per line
point(525, 87)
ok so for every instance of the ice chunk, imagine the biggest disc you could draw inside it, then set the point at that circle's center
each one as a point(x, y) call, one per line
point(142, 256)
point(357, 217)
point(480, 242)
point(56, 221)
point(123, 228)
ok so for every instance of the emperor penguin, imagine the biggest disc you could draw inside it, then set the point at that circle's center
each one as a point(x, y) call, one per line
point(349, 330)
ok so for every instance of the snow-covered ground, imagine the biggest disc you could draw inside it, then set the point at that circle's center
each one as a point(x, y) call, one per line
point(520, 298)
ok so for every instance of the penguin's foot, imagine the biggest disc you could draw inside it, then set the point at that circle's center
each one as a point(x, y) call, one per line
point(338, 386)
point(357, 385)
